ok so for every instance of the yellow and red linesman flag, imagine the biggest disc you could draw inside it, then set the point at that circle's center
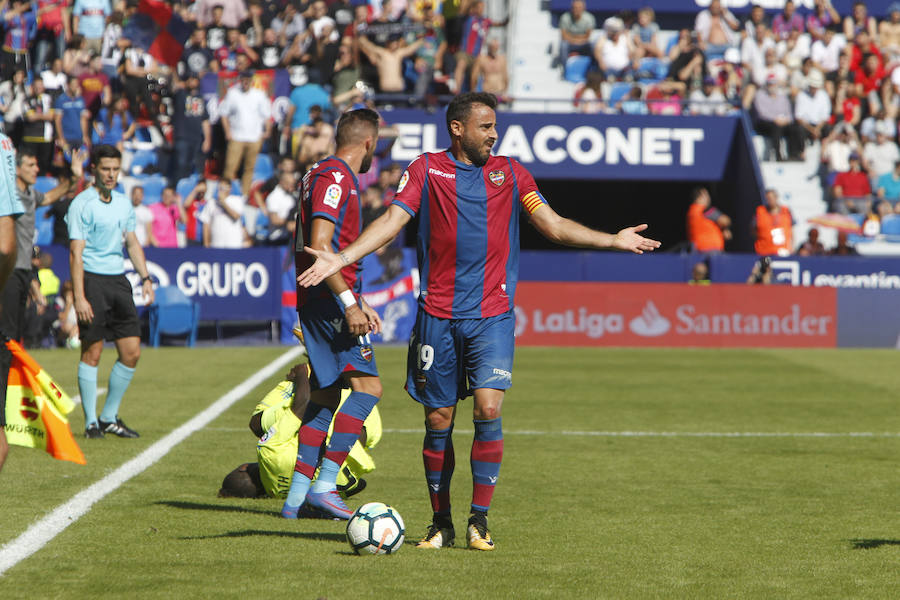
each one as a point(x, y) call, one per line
point(36, 409)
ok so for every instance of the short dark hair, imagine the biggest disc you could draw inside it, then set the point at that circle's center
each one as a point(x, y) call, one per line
point(461, 106)
point(23, 152)
point(350, 126)
point(104, 151)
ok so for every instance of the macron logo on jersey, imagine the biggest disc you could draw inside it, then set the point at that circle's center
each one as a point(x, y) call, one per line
point(338, 176)
point(440, 173)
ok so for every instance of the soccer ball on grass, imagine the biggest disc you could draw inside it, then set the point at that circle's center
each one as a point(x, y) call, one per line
point(375, 528)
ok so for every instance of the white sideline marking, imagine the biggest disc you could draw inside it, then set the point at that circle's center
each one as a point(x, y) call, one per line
point(77, 398)
point(666, 434)
point(39, 534)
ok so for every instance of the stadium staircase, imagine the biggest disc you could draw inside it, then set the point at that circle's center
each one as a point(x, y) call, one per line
point(535, 84)
point(798, 185)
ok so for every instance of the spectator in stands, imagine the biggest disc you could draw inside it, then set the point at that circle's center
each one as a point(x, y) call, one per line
point(233, 12)
point(304, 96)
point(688, 61)
point(827, 50)
point(699, 274)
point(109, 46)
point(53, 29)
point(270, 50)
point(717, 29)
point(316, 138)
point(888, 187)
point(143, 218)
point(614, 52)
point(12, 104)
point(76, 56)
point(575, 28)
point(429, 59)
point(863, 46)
point(852, 191)
point(89, 20)
point(775, 120)
point(193, 205)
point(280, 204)
point(872, 223)
point(707, 228)
point(253, 27)
point(54, 78)
point(474, 31)
point(113, 125)
point(37, 133)
point(167, 214)
point(843, 247)
point(95, 86)
point(589, 97)
point(880, 155)
point(731, 76)
point(822, 18)
point(245, 114)
point(138, 67)
point(192, 132)
point(837, 148)
point(633, 104)
point(812, 246)
point(772, 227)
point(847, 106)
point(859, 20)
point(373, 204)
point(708, 100)
point(389, 61)
point(18, 24)
point(868, 79)
point(787, 22)
point(216, 31)
point(812, 109)
point(670, 103)
point(491, 71)
point(72, 118)
point(771, 67)
point(222, 219)
point(889, 33)
point(644, 34)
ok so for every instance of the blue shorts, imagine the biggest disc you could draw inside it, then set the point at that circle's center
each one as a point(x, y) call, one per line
point(332, 350)
point(448, 358)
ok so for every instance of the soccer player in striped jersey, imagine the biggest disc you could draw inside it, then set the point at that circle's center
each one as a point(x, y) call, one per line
point(469, 204)
point(335, 319)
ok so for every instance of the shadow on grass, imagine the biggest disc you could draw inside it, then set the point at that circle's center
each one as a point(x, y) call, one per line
point(307, 535)
point(869, 544)
point(214, 507)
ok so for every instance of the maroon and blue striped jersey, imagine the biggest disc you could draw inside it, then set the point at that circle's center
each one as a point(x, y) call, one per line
point(468, 240)
point(475, 30)
point(330, 191)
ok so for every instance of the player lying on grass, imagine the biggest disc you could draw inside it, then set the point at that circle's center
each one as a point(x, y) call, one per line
point(275, 421)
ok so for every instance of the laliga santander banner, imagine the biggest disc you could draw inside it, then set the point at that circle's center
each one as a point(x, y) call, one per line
point(667, 315)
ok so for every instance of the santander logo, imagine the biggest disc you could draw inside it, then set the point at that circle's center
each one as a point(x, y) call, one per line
point(649, 323)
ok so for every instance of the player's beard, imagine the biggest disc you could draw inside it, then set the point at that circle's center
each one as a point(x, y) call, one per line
point(367, 161)
point(477, 153)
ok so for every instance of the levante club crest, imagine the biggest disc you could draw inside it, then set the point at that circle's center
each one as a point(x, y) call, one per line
point(497, 177)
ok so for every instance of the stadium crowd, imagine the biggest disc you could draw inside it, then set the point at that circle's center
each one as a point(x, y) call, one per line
point(73, 75)
point(807, 78)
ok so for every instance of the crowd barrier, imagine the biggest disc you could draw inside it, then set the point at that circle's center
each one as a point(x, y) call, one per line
point(578, 298)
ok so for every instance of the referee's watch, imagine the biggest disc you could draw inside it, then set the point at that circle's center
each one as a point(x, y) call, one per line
point(145, 279)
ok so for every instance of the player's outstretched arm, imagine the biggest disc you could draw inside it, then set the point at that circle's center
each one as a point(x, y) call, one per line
point(571, 233)
point(377, 234)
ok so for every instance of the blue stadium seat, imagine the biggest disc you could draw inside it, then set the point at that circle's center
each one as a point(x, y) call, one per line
point(45, 184)
point(618, 91)
point(577, 68)
point(173, 314)
point(43, 226)
point(141, 159)
point(263, 168)
point(890, 225)
point(184, 186)
point(153, 186)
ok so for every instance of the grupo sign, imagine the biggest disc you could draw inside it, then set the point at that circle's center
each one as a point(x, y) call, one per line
point(576, 146)
point(726, 315)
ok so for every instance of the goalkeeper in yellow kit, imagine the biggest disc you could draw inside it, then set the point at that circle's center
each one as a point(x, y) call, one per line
point(275, 421)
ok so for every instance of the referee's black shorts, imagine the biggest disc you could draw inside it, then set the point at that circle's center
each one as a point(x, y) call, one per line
point(115, 316)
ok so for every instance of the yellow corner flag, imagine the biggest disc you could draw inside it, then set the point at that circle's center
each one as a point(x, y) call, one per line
point(36, 409)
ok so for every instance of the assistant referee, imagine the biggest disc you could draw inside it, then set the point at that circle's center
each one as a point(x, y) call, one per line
point(98, 219)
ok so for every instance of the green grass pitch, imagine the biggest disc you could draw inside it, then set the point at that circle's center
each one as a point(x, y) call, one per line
point(677, 508)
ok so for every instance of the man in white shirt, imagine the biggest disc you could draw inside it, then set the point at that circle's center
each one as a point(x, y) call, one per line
point(222, 218)
point(143, 218)
point(825, 52)
point(880, 156)
point(279, 204)
point(246, 118)
point(812, 109)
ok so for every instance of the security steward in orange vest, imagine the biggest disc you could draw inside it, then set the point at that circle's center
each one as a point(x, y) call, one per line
point(772, 227)
point(707, 227)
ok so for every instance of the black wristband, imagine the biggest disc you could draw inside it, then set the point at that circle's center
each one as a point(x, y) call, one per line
point(147, 278)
